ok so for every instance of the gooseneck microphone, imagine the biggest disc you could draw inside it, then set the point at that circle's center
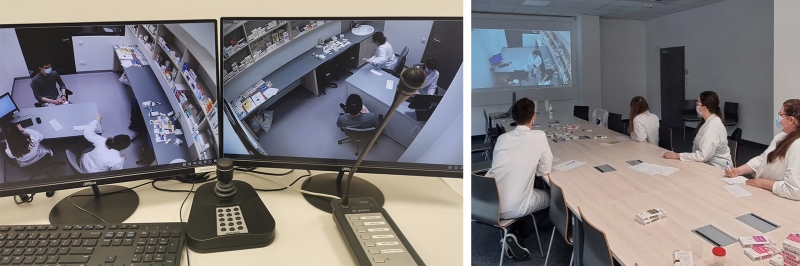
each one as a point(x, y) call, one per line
point(411, 79)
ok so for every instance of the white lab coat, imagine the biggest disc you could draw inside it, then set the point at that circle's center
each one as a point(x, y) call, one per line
point(37, 150)
point(785, 172)
point(519, 156)
point(429, 87)
point(384, 57)
point(102, 158)
point(533, 64)
point(711, 144)
point(645, 128)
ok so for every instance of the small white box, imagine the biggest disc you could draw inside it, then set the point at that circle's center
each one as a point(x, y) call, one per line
point(650, 216)
point(682, 258)
point(776, 260)
point(750, 241)
point(757, 253)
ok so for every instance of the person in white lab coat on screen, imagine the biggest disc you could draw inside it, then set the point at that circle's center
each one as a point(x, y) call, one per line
point(778, 168)
point(106, 154)
point(643, 125)
point(384, 56)
point(519, 156)
point(711, 139)
point(431, 77)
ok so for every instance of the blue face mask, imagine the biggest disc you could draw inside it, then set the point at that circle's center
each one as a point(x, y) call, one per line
point(48, 70)
point(778, 122)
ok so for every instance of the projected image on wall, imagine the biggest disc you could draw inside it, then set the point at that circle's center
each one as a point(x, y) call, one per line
point(504, 58)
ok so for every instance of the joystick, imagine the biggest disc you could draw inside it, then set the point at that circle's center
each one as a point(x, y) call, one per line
point(228, 215)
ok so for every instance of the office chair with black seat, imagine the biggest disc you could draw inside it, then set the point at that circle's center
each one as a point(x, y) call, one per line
point(688, 114)
point(401, 63)
point(491, 132)
point(581, 111)
point(665, 137)
point(486, 210)
point(359, 135)
point(734, 140)
point(35, 169)
point(595, 245)
point(615, 123)
point(561, 217)
point(731, 114)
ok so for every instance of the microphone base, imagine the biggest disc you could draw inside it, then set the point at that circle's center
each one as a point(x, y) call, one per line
point(328, 184)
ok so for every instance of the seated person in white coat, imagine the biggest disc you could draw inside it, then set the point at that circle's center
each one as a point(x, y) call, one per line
point(24, 144)
point(711, 139)
point(642, 125)
point(519, 156)
point(778, 168)
point(431, 77)
point(106, 154)
point(534, 64)
point(384, 56)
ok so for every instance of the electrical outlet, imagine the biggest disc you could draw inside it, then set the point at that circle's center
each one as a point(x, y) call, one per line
point(83, 63)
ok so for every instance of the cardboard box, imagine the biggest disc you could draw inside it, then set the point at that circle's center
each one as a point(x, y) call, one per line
point(760, 252)
point(750, 241)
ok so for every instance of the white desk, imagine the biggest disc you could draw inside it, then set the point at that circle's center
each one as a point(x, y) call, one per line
point(426, 209)
point(68, 116)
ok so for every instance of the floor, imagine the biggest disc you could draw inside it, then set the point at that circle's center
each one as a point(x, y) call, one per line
point(113, 102)
point(486, 239)
point(304, 125)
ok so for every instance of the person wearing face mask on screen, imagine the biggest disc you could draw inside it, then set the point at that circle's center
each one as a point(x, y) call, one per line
point(44, 86)
point(778, 168)
point(711, 138)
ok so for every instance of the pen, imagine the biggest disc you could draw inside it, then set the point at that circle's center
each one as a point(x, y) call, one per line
point(571, 162)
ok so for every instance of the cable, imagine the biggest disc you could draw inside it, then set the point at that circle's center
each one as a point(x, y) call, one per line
point(252, 173)
point(180, 216)
point(69, 198)
point(298, 179)
point(252, 170)
point(24, 198)
point(173, 190)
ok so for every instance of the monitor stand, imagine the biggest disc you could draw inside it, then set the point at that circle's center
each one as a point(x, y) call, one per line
point(333, 184)
point(114, 208)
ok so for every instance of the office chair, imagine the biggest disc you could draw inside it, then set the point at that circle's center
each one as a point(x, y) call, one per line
point(491, 132)
point(480, 168)
point(486, 210)
point(595, 245)
point(733, 143)
point(688, 114)
point(731, 113)
point(359, 134)
point(615, 123)
point(485, 148)
point(561, 218)
point(401, 63)
point(74, 161)
point(581, 112)
point(665, 137)
point(600, 117)
point(37, 168)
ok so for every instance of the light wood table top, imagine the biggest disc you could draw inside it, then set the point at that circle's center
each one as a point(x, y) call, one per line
point(689, 207)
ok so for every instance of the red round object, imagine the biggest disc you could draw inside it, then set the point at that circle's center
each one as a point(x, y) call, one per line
point(718, 251)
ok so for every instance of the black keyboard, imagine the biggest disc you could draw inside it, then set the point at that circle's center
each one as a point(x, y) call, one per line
point(153, 244)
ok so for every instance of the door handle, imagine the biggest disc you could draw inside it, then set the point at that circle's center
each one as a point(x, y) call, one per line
point(436, 40)
point(67, 39)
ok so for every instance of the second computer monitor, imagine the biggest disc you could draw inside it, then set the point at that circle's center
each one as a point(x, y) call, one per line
point(309, 93)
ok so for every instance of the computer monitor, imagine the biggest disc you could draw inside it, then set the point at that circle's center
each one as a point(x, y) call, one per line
point(155, 100)
point(283, 96)
point(7, 106)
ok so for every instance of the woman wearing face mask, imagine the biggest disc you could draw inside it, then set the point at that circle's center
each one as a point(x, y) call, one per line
point(778, 168)
point(711, 139)
point(431, 77)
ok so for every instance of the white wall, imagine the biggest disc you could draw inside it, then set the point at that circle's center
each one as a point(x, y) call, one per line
point(400, 33)
point(12, 63)
point(203, 33)
point(441, 140)
point(729, 50)
point(622, 49)
point(787, 41)
point(485, 44)
point(589, 62)
point(97, 52)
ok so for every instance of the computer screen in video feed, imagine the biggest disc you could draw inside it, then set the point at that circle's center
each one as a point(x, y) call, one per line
point(108, 98)
point(521, 58)
point(318, 89)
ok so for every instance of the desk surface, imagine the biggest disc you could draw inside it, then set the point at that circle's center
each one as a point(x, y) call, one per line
point(147, 88)
point(689, 207)
point(283, 77)
point(426, 209)
point(68, 116)
point(375, 87)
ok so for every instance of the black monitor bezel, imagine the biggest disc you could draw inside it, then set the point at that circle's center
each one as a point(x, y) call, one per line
point(118, 176)
point(323, 164)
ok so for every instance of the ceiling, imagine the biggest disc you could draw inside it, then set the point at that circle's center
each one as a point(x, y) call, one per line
point(616, 9)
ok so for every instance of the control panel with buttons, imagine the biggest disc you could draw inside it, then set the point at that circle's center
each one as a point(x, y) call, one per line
point(373, 237)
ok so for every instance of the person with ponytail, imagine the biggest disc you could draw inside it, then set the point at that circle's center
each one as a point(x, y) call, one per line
point(711, 138)
point(643, 125)
point(778, 168)
point(106, 154)
point(24, 144)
